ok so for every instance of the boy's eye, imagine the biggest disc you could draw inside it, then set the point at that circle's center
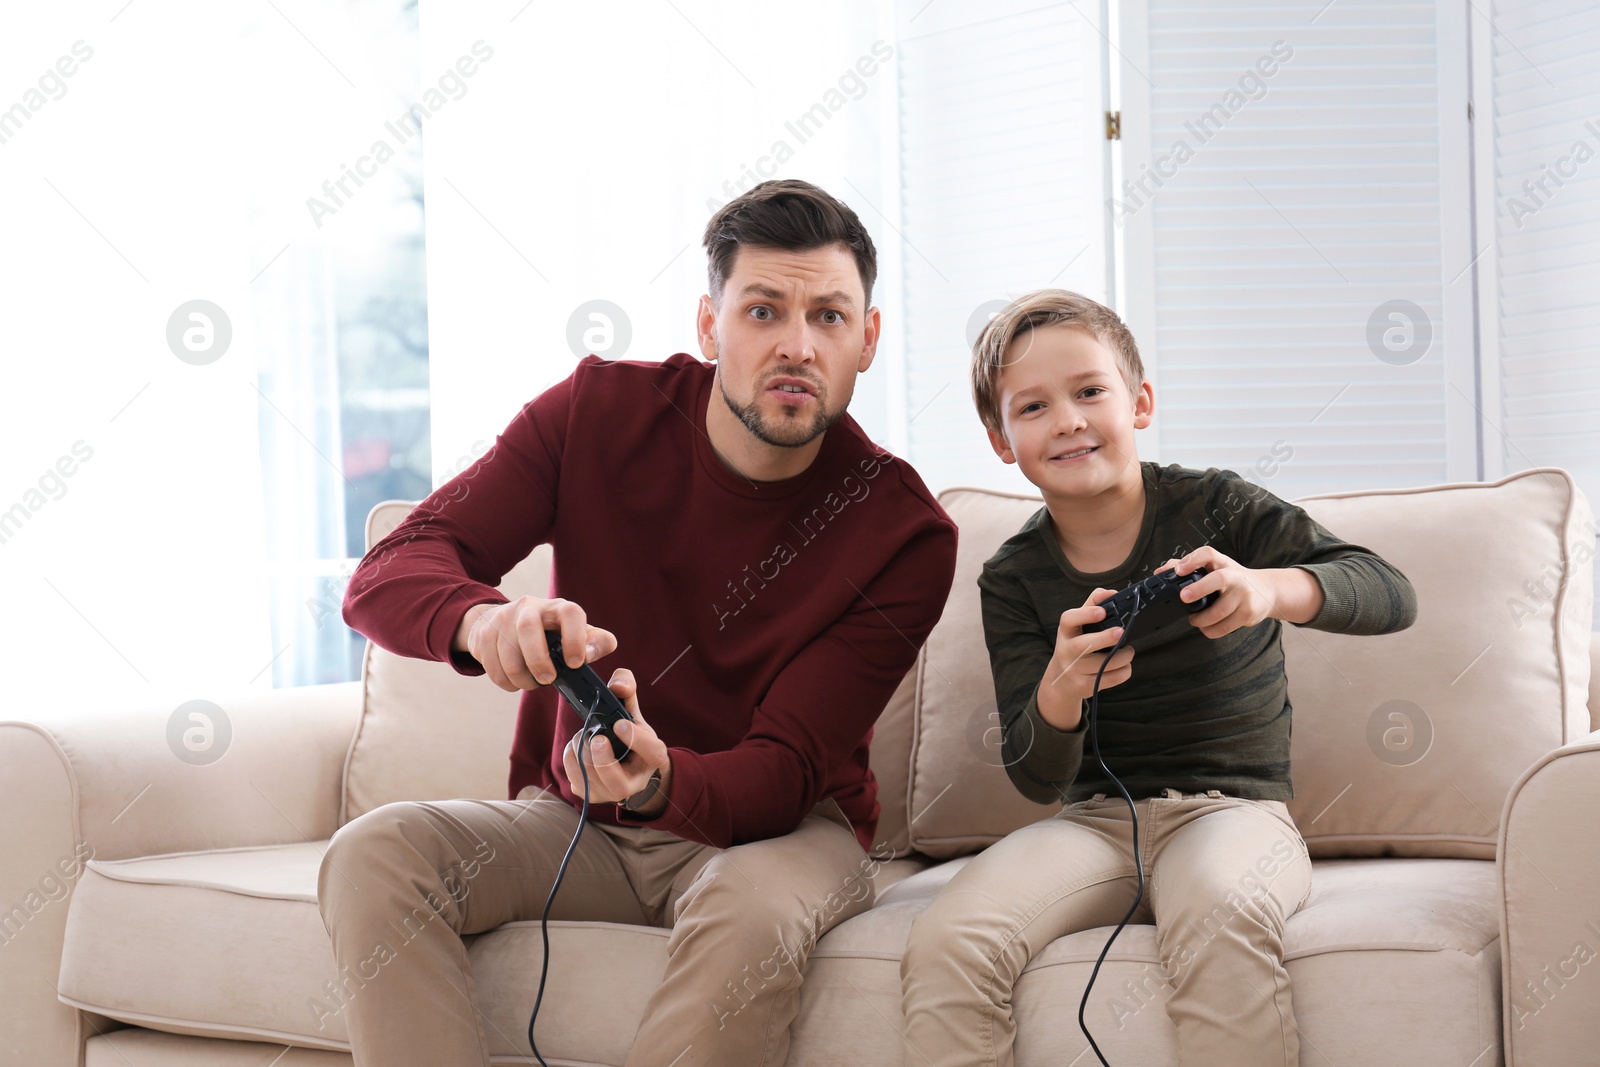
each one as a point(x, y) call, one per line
point(1093, 389)
point(1030, 407)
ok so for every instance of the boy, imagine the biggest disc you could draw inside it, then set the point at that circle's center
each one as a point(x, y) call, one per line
point(1198, 732)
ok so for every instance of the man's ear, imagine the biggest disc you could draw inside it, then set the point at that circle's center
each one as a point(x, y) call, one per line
point(869, 349)
point(997, 441)
point(705, 326)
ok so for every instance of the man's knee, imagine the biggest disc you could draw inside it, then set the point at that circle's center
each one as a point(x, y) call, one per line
point(367, 850)
point(772, 928)
point(747, 916)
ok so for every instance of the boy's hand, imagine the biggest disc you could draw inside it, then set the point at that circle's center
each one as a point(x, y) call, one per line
point(1069, 679)
point(1244, 596)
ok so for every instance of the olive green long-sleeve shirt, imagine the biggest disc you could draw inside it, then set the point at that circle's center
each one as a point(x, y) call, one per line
point(1197, 713)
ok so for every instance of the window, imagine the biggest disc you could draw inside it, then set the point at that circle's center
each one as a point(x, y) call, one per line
point(340, 306)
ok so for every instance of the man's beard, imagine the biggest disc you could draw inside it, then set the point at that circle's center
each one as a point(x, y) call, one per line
point(788, 433)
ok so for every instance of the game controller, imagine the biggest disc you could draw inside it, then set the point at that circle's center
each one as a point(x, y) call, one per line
point(1150, 605)
point(599, 707)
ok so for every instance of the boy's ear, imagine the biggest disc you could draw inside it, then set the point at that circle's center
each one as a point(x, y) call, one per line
point(1144, 405)
point(997, 441)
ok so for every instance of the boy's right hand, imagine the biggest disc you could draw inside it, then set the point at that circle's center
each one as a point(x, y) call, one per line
point(1069, 679)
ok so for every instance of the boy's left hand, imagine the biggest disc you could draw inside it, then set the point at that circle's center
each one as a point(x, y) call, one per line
point(1244, 596)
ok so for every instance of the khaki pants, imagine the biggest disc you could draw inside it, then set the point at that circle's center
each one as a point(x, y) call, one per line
point(1222, 876)
point(478, 864)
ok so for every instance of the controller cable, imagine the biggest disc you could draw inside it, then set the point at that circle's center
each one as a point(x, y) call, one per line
point(1138, 863)
point(590, 731)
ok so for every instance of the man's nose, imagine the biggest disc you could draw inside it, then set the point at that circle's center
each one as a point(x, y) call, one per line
point(796, 343)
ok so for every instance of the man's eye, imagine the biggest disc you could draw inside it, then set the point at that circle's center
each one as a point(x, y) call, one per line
point(762, 312)
point(837, 317)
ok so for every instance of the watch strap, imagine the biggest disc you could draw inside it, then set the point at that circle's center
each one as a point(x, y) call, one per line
point(644, 796)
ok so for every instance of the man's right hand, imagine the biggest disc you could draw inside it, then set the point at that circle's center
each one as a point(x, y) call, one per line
point(508, 640)
point(1069, 679)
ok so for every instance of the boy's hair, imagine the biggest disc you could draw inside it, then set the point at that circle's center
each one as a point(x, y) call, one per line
point(1046, 307)
point(788, 214)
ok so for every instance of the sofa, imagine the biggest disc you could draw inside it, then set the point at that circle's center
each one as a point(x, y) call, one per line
point(158, 866)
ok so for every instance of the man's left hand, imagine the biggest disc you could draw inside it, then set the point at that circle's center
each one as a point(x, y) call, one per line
point(611, 780)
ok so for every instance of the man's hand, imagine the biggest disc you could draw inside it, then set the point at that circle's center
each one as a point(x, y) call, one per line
point(1245, 596)
point(508, 640)
point(611, 781)
point(1069, 679)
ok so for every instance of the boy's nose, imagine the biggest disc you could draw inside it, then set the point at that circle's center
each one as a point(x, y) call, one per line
point(1069, 418)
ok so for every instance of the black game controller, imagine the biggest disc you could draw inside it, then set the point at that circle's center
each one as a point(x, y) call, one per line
point(1151, 605)
point(599, 707)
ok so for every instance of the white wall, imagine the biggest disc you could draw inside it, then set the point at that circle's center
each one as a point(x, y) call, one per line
point(584, 164)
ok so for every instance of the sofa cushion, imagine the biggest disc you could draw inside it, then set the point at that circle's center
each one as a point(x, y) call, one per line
point(1394, 962)
point(1404, 744)
point(230, 943)
point(153, 1048)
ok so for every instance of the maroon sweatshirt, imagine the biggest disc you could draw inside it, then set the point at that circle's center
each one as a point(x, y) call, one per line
point(767, 623)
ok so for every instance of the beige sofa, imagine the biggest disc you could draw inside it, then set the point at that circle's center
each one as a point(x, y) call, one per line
point(160, 909)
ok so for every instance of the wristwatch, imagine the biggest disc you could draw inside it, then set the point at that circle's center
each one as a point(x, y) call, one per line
point(643, 797)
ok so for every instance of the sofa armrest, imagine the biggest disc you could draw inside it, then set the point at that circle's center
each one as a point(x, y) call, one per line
point(1594, 680)
point(111, 787)
point(1549, 868)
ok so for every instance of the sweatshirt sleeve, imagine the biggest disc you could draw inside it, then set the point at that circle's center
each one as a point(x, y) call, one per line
point(412, 588)
point(1041, 760)
point(1362, 592)
point(817, 709)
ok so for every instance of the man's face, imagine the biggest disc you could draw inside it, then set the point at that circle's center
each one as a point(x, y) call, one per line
point(1066, 416)
point(790, 336)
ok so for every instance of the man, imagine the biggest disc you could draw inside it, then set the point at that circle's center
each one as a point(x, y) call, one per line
point(726, 531)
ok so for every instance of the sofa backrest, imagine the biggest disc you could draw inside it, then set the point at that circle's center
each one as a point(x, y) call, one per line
point(1409, 744)
point(1404, 744)
point(426, 732)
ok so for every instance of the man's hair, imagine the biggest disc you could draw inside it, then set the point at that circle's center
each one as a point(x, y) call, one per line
point(1046, 307)
point(791, 215)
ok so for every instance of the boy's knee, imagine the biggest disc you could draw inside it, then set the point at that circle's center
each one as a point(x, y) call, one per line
point(1218, 913)
point(943, 936)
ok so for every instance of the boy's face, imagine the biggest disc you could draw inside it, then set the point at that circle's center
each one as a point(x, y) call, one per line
point(1066, 416)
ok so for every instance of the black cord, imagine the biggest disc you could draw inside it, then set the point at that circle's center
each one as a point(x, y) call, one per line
point(561, 872)
point(1138, 864)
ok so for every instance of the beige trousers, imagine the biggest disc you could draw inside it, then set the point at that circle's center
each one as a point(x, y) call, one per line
point(726, 997)
point(1222, 876)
